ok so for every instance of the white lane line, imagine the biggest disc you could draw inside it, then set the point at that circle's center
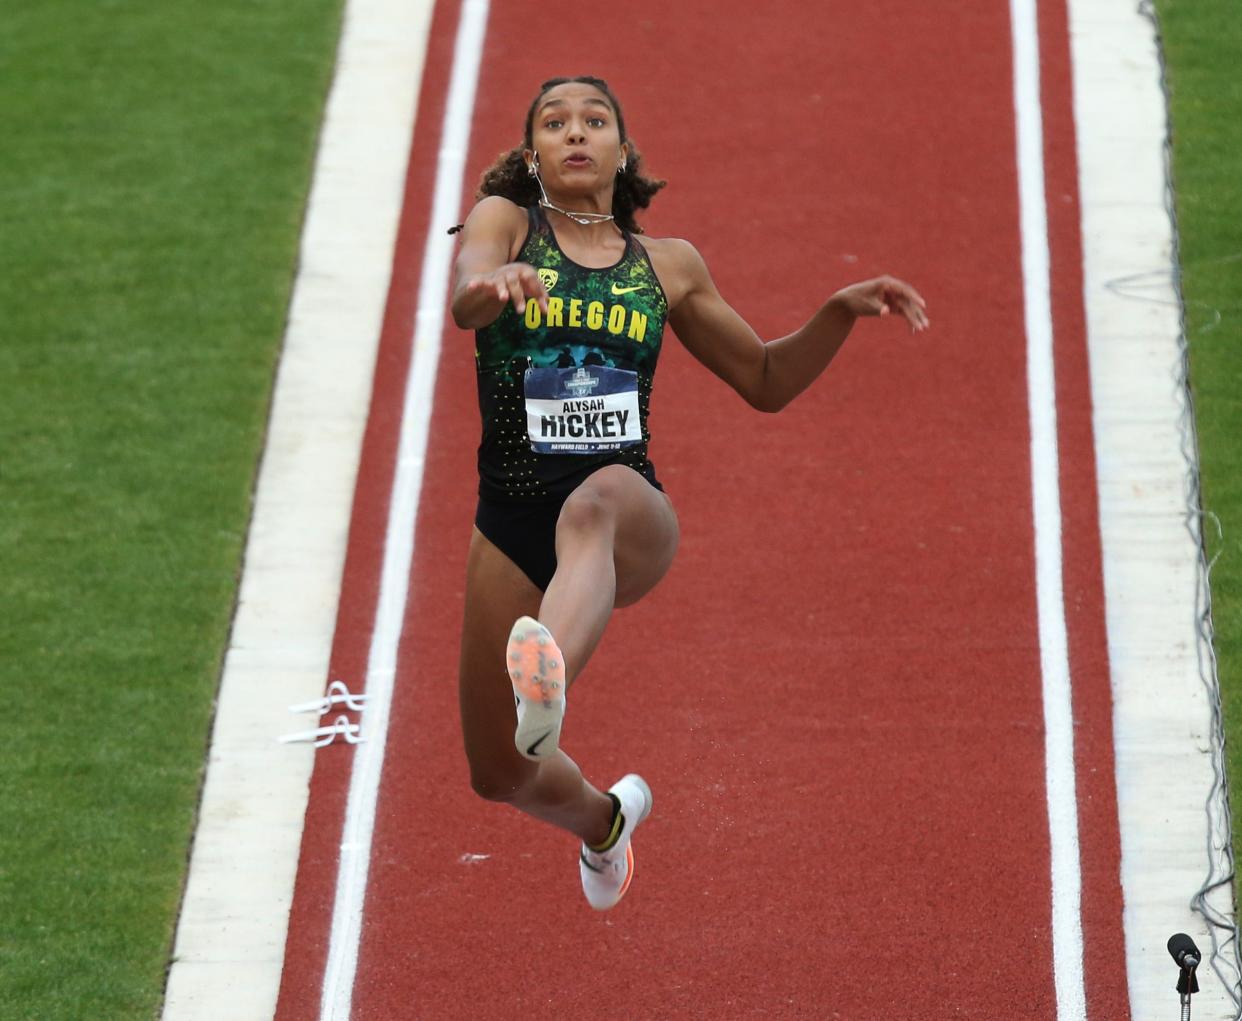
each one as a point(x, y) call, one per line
point(1046, 496)
point(364, 781)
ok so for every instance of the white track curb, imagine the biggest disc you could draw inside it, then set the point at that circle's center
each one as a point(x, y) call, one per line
point(1160, 712)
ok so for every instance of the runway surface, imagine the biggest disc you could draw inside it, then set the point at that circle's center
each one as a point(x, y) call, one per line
point(836, 693)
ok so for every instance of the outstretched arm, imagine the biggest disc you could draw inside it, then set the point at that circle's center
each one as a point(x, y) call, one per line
point(769, 376)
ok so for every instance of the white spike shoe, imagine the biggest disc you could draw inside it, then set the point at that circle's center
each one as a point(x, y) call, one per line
point(606, 875)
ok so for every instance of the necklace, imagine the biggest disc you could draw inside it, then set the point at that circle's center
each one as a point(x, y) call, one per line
point(586, 219)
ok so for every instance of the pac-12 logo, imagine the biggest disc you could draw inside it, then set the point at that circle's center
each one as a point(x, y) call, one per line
point(549, 277)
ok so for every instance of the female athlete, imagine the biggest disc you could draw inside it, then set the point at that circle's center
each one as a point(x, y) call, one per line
point(568, 300)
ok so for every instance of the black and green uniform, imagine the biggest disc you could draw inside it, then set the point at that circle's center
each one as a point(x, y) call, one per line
point(566, 392)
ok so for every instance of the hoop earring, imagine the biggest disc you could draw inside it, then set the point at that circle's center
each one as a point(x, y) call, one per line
point(532, 168)
point(621, 169)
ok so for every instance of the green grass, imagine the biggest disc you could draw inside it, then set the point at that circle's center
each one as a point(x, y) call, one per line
point(1203, 42)
point(156, 162)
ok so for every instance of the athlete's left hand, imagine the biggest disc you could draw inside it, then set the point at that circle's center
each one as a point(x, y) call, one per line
point(884, 296)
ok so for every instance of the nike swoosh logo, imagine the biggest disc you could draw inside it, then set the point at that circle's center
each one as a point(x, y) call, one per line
point(626, 290)
point(535, 744)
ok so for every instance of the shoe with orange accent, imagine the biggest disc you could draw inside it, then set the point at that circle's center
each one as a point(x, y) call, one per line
point(606, 875)
point(537, 671)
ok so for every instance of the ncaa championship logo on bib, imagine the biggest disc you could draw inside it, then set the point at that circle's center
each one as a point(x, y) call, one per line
point(582, 410)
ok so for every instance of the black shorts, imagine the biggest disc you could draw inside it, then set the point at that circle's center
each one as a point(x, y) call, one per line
point(525, 531)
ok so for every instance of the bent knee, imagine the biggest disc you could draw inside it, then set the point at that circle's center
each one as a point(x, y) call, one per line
point(588, 509)
point(496, 782)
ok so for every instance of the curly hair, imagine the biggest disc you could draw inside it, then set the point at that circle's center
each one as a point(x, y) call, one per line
point(509, 177)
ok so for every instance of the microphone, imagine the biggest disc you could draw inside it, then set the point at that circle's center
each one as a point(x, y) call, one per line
point(1183, 951)
point(1187, 957)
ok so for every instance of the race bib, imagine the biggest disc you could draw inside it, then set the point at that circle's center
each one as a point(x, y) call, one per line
point(582, 411)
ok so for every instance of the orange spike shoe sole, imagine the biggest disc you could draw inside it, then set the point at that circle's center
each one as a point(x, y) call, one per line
point(537, 672)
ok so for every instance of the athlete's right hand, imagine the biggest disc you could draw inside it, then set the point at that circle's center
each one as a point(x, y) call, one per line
point(514, 281)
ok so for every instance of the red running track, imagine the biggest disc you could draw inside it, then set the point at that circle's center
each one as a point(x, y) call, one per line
point(835, 694)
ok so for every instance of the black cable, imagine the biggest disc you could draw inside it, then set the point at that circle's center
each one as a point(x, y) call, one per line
point(1222, 924)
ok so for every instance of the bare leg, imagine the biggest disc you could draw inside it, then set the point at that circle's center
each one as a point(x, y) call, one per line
point(497, 593)
point(615, 539)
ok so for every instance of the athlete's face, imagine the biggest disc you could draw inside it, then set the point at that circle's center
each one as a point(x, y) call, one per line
point(576, 136)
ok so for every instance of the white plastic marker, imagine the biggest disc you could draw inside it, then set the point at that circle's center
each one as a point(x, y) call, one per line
point(1046, 498)
point(338, 694)
point(324, 736)
point(351, 881)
